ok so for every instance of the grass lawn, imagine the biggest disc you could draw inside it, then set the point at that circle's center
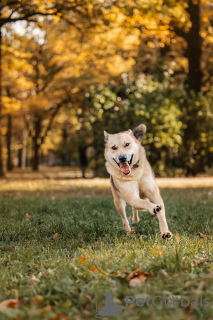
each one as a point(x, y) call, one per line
point(62, 244)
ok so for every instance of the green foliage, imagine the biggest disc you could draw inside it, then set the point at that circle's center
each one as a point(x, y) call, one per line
point(197, 116)
point(179, 124)
point(141, 101)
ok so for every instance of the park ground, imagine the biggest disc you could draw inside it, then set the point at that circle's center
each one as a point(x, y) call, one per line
point(62, 244)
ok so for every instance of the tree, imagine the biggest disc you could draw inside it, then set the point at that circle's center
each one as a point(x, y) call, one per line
point(162, 25)
point(12, 11)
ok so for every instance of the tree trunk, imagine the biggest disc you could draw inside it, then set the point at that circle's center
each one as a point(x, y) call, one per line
point(22, 151)
point(9, 140)
point(36, 143)
point(24, 138)
point(83, 159)
point(194, 52)
point(66, 156)
point(1, 159)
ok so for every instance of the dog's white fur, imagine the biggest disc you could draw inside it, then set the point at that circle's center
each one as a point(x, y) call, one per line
point(137, 188)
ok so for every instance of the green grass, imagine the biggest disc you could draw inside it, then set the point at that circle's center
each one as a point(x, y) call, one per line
point(52, 278)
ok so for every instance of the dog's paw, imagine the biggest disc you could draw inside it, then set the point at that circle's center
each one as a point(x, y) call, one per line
point(167, 235)
point(157, 209)
point(131, 233)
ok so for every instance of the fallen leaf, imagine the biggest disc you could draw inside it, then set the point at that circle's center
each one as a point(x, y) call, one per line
point(197, 262)
point(93, 269)
point(10, 303)
point(200, 234)
point(49, 307)
point(177, 237)
point(83, 260)
point(32, 282)
point(138, 277)
point(60, 316)
point(188, 310)
point(37, 299)
point(56, 235)
point(28, 216)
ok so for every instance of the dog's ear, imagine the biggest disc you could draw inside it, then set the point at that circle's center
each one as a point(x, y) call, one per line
point(139, 132)
point(106, 136)
point(129, 132)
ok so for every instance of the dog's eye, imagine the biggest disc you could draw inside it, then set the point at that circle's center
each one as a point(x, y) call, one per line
point(127, 144)
point(114, 148)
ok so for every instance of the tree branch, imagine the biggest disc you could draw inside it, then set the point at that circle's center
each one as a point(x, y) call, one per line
point(26, 17)
point(52, 117)
point(51, 76)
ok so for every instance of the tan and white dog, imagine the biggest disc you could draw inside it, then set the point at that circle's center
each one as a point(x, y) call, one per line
point(132, 178)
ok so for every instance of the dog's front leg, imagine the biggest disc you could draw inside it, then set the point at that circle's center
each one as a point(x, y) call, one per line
point(120, 205)
point(153, 194)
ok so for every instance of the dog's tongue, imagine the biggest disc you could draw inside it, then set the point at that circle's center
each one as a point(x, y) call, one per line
point(125, 168)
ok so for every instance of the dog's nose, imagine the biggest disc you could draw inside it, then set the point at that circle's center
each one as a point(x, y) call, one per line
point(122, 158)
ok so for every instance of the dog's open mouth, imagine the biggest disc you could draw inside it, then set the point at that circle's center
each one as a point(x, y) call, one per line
point(125, 166)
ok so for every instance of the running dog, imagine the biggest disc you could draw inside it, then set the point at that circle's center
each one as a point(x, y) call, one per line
point(132, 179)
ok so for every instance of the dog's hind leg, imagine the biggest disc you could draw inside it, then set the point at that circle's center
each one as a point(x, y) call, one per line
point(120, 205)
point(135, 217)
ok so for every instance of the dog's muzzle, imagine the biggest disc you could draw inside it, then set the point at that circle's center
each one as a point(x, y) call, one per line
point(124, 165)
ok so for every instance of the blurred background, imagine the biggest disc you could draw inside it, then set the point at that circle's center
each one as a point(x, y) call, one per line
point(71, 69)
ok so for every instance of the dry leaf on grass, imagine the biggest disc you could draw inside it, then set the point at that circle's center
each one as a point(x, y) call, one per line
point(177, 237)
point(37, 299)
point(56, 235)
point(10, 303)
point(28, 216)
point(93, 269)
point(197, 262)
point(82, 260)
point(60, 316)
point(200, 234)
point(138, 277)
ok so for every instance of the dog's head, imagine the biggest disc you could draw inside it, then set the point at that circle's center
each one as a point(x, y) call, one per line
point(122, 149)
